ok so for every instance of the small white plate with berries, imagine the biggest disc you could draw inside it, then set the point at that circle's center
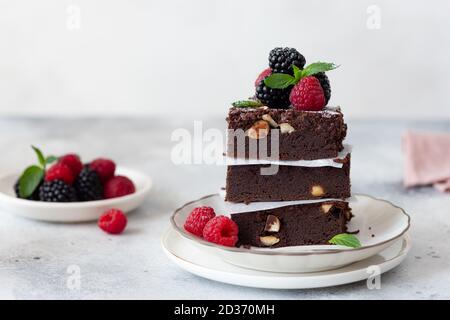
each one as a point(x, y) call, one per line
point(63, 189)
point(379, 224)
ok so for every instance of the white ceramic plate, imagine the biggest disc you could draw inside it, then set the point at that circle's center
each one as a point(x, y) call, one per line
point(385, 221)
point(195, 260)
point(73, 211)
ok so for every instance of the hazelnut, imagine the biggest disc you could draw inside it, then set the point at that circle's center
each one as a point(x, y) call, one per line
point(269, 241)
point(270, 120)
point(272, 224)
point(326, 207)
point(317, 191)
point(286, 128)
point(259, 130)
point(348, 214)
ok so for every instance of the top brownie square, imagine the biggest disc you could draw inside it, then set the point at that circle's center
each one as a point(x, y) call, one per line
point(301, 135)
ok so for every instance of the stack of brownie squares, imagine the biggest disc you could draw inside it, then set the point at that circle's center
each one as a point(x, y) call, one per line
point(310, 185)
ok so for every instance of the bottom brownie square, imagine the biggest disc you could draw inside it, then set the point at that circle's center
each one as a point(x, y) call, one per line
point(304, 224)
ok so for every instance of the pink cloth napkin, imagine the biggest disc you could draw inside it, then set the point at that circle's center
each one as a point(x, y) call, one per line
point(427, 159)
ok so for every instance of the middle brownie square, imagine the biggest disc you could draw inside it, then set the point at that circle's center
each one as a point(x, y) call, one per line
point(245, 183)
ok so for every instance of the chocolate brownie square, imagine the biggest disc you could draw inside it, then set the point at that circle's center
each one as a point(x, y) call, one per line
point(301, 135)
point(304, 224)
point(245, 183)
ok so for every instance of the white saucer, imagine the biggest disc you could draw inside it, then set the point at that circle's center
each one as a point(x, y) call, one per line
point(72, 211)
point(199, 262)
point(380, 224)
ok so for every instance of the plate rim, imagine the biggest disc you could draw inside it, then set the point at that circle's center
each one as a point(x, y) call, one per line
point(401, 255)
point(187, 235)
point(8, 199)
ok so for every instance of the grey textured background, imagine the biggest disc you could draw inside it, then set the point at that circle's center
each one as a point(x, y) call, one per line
point(133, 265)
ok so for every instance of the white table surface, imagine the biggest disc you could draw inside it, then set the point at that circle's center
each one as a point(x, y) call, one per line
point(35, 256)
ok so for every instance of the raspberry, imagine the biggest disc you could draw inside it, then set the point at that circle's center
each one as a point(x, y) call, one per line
point(113, 221)
point(282, 59)
point(60, 171)
point(221, 230)
point(104, 167)
point(118, 186)
point(197, 220)
point(308, 95)
point(262, 76)
point(73, 162)
point(325, 83)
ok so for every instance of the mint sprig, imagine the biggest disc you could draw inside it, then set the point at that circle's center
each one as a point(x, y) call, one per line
point(297, 73)
point(51, 159)
point(40, 156)
point(345, 239)
point(279, 81)
point(247, 104)
point(33, 175)
point(318, 67)
point(282, 81)
point(30, 180)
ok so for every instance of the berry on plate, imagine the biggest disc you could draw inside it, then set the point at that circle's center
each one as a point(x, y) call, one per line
point(308, 95)
point(267, 72)
point(88, 185)
point(104, 167)
point(118, 186)
point(34, 196)
point(197, 219)
point(282, 59)
point(113, 221)
point(271, 97)
point(57, 191)
point(73, 162)
point(308, 88)
point(221, 230)
point(59, 171)
point(325, 83)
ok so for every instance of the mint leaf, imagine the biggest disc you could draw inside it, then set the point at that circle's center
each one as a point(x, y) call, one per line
point(317, 67)
point(50, 159)
point(297, 73)
point(247, 104)
point(30, 180)
point(279, 81)
point(40, 156)
point(345, 239)
point(282, 81)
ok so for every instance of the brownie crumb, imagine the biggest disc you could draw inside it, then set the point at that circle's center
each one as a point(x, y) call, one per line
point(337, 160)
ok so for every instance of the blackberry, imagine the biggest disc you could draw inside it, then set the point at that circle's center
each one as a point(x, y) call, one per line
point(57, 191)
point(273, 98)
point(88, 185)
point(282, 59)
point(325, 83)
point(34, 196)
